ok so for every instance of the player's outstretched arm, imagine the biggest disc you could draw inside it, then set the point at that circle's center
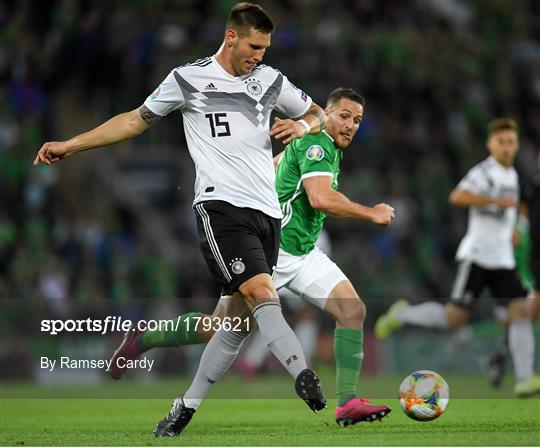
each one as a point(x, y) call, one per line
point(322, 197)
point(312, 122)
point(120, 127)
point(464, 198)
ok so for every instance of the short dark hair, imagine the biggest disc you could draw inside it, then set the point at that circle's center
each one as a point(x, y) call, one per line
point(502, 124)
point(244, 16)
point(342, 92)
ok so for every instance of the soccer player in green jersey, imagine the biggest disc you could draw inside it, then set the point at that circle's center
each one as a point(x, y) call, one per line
point(306, 182)
point(522, 252)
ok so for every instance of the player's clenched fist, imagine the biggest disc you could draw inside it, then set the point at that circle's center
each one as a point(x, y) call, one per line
point(51, 152)
point(382, 214)
point(505, 202)
point(287, 130)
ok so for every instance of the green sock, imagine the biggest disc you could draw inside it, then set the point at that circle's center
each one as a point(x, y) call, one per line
point(179, 332)
point(348, 351)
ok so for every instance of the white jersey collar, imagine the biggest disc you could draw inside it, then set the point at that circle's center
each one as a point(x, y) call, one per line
point(225, 72)
point(493, 160)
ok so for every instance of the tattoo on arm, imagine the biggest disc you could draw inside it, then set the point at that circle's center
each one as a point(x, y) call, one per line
point(148, 116)
point(319, 114)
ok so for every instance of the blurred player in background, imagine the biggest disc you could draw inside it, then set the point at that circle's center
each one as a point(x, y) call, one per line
point(306, 182)
point(227, 100)
point(527, 254)
point(486, 260)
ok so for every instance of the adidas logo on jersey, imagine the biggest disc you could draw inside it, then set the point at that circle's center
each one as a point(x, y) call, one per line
point(210, 86)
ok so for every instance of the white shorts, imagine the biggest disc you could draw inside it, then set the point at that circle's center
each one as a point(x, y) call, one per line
point(311, 277)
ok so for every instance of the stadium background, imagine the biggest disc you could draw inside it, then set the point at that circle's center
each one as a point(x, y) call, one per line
point(96, 232)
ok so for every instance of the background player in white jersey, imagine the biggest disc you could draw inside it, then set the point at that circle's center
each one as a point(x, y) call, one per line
point(486, 260)
point(226, 101)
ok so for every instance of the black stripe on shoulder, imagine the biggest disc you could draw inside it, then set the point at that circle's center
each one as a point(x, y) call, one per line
point(259, 67)
point(203, 62)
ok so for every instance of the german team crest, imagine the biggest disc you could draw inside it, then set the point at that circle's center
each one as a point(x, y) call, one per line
point(237, 266)
point(254, 87)
point(315, 152)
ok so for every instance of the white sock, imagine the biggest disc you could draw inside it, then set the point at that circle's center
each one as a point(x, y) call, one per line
point(215, 361)
point(257, 350)
point(428, 315)
point(307, 332)
point(521, 344)
point(279, 337)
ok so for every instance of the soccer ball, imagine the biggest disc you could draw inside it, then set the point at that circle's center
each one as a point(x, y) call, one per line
point(424, 395)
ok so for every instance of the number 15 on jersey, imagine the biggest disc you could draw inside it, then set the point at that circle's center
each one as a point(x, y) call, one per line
point(218, 127)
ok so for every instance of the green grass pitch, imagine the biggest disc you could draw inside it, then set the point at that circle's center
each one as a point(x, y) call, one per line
point(257, 421)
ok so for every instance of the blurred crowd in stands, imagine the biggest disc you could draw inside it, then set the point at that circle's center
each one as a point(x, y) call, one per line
point(433, 73)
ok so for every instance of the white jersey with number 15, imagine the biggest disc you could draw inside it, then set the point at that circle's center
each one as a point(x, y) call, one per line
point(226, 122)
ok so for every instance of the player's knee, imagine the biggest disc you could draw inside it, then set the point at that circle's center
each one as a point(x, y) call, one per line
point(258, 295)
point(262, 293)
point(456, 316)
point(259, 289)
point(348, 313)
point(354, 313)
point(535, 305)
point(345, 306)
point(519, 309)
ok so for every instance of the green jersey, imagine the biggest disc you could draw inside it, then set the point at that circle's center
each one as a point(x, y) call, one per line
point(522, 252)
point(309, 156)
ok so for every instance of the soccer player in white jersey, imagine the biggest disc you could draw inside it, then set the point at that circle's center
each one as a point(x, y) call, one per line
point(490, 190)
point(226, 101)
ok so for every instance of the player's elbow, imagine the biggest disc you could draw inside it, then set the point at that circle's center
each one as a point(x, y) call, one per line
point(455, 198)
point(314, 200)
point(135, 124)
point(318, 202)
